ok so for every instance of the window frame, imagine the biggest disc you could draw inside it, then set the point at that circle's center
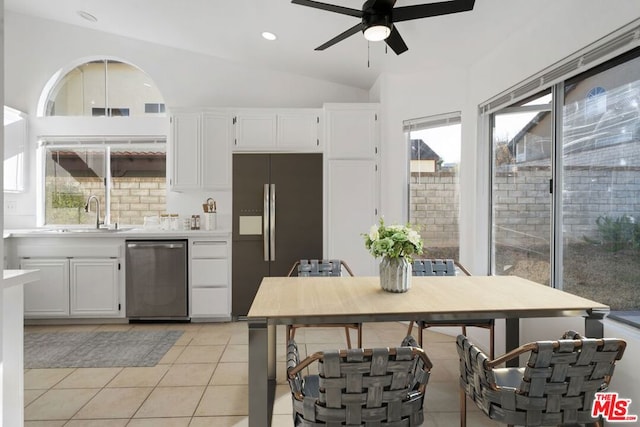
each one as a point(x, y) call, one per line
point(105, 143)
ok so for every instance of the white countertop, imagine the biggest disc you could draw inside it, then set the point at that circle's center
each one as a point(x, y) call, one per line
point(19, 277)
point(126, 233)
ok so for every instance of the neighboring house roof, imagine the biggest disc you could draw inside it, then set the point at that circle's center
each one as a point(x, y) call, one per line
point(421, 151)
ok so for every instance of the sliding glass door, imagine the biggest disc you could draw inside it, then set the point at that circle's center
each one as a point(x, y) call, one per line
point(584, 145)
point(601, 186)
point(521, 137)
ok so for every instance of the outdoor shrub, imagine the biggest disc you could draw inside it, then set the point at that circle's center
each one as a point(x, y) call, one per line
point(617, 233)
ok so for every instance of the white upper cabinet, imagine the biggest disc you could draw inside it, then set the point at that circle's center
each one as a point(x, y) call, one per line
point(278, 130)
point(352, 131)
point(200, 149)
point(299, 130)
point(255, 130)
point(216, 150)
point(185, 149)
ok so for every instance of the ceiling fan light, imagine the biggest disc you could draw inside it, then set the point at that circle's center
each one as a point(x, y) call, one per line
point(376, 33)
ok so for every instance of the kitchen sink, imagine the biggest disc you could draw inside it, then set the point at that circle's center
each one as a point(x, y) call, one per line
point(86, 230)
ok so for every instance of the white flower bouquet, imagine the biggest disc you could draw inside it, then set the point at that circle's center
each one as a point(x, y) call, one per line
point(393, 241)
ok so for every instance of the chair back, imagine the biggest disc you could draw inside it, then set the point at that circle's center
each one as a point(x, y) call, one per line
point(434, 267)
point(314, 268)
point(556, 387)
point(358, 386)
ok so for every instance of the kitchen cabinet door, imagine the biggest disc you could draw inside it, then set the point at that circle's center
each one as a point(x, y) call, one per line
point(216, 150)
point(298, 130)
point(201, 150)
point(352, 131)
point(352, 210)
point(49, 296)
point(255, 131)
point(94, 287)
point(185, 151)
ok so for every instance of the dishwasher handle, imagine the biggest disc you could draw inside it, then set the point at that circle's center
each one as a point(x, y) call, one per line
point(156, 245)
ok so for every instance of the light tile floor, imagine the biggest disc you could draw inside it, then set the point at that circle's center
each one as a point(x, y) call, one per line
point(202, 380)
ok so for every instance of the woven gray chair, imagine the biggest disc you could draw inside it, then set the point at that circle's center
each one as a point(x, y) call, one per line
point(323, 268)
point(556, 387)
point(448, 267)
point(380, 386)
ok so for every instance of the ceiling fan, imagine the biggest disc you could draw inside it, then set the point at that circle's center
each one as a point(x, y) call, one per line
point(378, 17)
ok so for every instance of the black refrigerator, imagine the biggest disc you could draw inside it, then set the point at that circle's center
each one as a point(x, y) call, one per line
point(277, 219)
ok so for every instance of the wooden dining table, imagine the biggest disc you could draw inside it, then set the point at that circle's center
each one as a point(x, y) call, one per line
point(318, 300)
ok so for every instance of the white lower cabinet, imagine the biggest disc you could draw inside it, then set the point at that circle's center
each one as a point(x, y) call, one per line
point(93, 286)
point(210, 284)
point(72, 287)
point(49, 296)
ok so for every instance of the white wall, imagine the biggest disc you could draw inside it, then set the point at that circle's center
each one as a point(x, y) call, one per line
point(36, 49)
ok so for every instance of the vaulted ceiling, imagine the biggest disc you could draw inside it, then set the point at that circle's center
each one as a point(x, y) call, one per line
point(232, 30)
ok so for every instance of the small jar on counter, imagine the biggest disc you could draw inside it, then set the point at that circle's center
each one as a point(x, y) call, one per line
point(164, 222)
point(195, 222)
point(175, 222)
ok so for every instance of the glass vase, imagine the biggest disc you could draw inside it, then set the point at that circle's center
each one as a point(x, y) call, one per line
point(395, 274)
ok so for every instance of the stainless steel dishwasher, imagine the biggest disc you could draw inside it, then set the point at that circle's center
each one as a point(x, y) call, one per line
point(156, 279)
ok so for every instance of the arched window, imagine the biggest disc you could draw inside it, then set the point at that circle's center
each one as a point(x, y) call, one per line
point(104, 87)
point(123, 164)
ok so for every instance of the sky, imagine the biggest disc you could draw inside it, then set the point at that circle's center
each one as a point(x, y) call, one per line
point(446, 141)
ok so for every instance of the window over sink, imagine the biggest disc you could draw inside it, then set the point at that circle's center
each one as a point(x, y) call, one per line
point(127, 177)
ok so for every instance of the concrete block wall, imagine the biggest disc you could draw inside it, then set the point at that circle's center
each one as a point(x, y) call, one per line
point(132, 198)
point(434, 207)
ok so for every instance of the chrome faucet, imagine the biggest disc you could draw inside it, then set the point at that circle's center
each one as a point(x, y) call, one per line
point(86, 209)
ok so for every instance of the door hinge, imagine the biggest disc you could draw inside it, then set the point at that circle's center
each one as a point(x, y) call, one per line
point(375, 211)
point(318, 119)
point(119, 306)
point(170, 119)
point(376, 168)
point(318, 142)
point(551, 186)
point(235, 141)
point(376, 116)
point(235, 120)
point(119, 266)
point(375, 150)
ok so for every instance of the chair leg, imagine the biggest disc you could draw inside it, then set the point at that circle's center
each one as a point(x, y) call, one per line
point(463, 408)
point(410, 330)
point(359, 335)
point(346, 331)
point(420, 329)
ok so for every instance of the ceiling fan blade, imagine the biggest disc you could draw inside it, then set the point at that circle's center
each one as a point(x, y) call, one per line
point(330, 7)
point(395, 42)
point(406, 13)
point(351, 31)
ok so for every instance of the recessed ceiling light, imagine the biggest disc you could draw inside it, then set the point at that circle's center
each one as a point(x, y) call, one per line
point(87, 16)
point(269, 36)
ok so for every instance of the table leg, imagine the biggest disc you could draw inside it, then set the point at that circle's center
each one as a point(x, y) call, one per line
point(593, 326)
point(512, 339)
point(261, 373)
